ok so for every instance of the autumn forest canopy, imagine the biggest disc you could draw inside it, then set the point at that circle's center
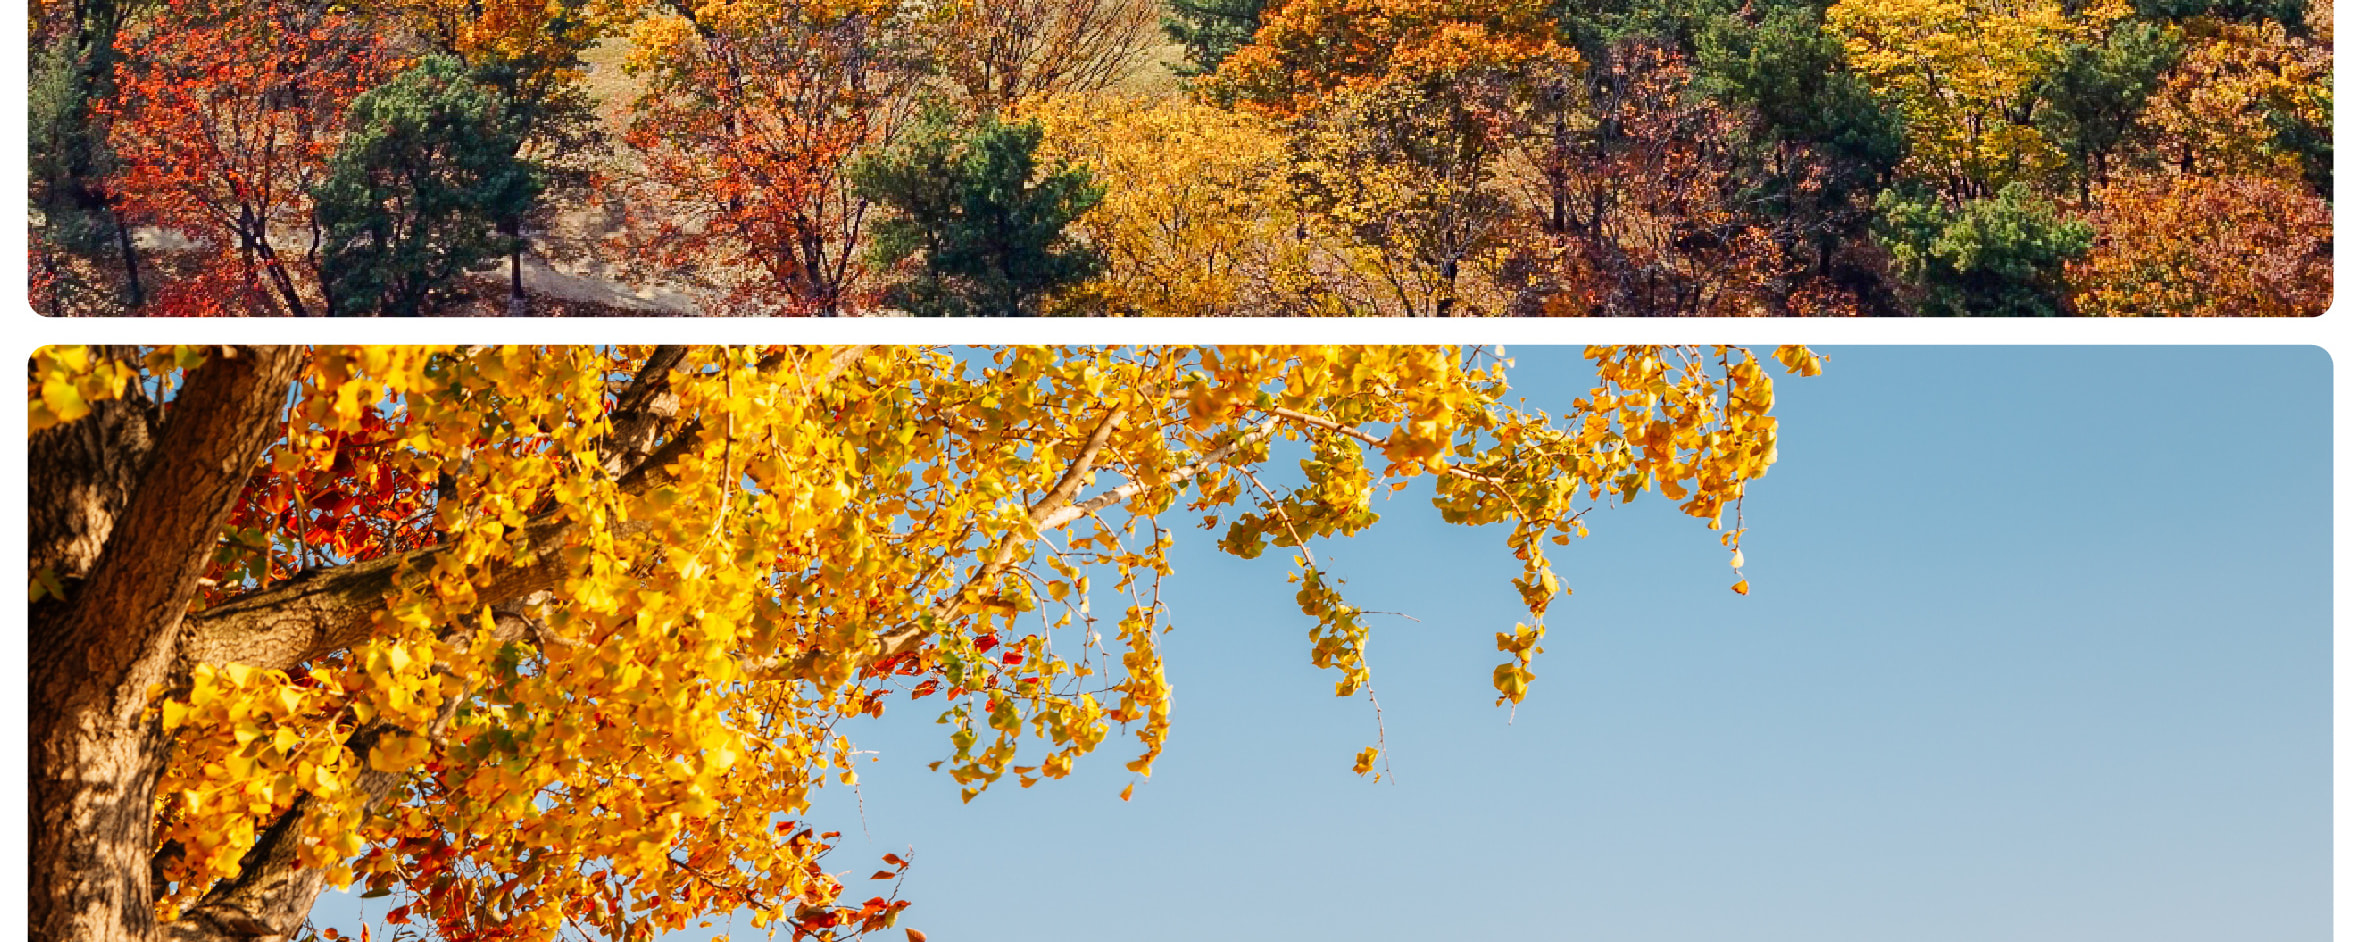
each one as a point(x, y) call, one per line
point(543, 643)
point(1181, 157)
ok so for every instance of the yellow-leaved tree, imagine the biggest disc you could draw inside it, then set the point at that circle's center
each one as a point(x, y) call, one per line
point(1960, 71)
point(1402, 112)
point(1197, 218)
point(1202, 216)
point(539, 639)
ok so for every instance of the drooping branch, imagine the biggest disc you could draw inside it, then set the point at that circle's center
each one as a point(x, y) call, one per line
point(1058, 509)
point(1370, 439)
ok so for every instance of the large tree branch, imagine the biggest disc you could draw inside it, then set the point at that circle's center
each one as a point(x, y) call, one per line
point(157, 547)
point(641, 411)
point(272, 893)
point(125, 616)
point(81, 474)
point(333, 609)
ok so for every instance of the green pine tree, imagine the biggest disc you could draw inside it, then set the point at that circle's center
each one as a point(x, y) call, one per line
point(2092, 96)
point(1822, 143)
point(1210, 30)
point(414, 197)
point(989, 223)
point(1998, 257)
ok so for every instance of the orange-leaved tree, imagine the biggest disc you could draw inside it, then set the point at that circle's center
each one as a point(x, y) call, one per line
point(2197, 246)
point(1309, 50)
point(562, 640)
point(1405, 110)
point(2224, 108)
point(223, 123)
point(746, 130)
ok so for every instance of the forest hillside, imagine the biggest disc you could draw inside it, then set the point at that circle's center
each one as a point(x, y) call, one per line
point(1181, 157)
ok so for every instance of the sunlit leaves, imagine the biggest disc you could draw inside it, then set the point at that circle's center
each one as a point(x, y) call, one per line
point(1196, 218)
point(1800, 360)
point(2194, 246)
point(603, 691)
point(66, 380)
point(1960, 71)
point(1311, 49)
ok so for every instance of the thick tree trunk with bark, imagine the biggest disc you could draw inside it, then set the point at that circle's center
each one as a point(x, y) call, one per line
point(126, 506)
point(147, 529)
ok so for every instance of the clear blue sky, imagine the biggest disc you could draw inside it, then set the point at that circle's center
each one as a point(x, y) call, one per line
point(2038, 649)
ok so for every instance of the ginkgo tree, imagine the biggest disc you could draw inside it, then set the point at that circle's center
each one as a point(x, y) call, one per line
point(543, 641)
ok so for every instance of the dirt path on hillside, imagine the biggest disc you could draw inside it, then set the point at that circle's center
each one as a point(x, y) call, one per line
point(574, 263)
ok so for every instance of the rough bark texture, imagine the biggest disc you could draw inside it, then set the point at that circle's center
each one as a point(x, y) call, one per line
point(81, 475)
point(95, 751)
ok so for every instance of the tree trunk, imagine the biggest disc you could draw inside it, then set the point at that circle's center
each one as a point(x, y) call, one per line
point(513, 228)
point(1450, 292)
point(129, 525)
point(139, 523)
point(136, 298)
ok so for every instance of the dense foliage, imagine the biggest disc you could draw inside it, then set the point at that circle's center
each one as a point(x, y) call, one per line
point(563, 641)
point(1363, 157)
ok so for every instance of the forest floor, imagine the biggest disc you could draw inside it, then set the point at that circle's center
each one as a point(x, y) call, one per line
point(569, 261)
